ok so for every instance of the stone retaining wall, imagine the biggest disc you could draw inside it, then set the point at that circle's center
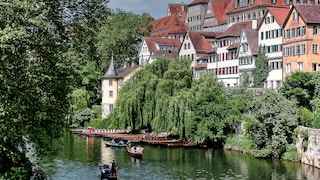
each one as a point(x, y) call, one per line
point(310, 154)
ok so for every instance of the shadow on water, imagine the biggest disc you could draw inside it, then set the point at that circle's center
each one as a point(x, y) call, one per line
point(80, 157)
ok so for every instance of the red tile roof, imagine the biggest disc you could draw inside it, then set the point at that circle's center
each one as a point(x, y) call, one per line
point(280, 14)
point(152, 43)
point(309, 13)
point(168, 25)
point(233, 46)
point(252, 39)
point(235, 30)
point(200, 43)
point(257, 3)
point(219, 10)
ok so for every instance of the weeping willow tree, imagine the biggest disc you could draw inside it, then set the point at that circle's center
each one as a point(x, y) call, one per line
point(135, 107)
point(165, 97)
point(171, 107)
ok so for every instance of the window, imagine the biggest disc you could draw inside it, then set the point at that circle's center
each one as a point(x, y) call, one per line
point(314, 66)
point(110, 82)
point(188, 45)
point(315, 48)
point(110, 107)
point(261, 35)
point(303, 30)
point(315, 29)
point(300, 66)
point(303, 49)
point(278, 84)
point(295, 16)
point(288, 68)
point(110, 93)
point(245, 47)
point(293, 32)
point(298, 31)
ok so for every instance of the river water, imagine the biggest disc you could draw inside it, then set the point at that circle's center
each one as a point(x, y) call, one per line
point(79, 158)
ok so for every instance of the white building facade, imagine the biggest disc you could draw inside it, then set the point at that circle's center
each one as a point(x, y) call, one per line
point(270, 39)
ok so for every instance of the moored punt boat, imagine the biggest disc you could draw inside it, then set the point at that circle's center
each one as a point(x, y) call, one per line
point(182, 144)
point(136, 152)
point(110, 144)
point(162, 142)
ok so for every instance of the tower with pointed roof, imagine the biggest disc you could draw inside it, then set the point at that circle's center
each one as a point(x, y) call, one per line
point(111, 84)
point(109, 89)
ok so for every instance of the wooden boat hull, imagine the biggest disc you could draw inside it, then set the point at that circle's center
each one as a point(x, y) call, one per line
point(135, 154)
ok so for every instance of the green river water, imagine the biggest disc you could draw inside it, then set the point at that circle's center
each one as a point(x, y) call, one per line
point(80, 156)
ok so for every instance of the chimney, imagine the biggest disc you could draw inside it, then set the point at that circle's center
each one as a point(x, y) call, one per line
point(182, 6)
point(254, 24)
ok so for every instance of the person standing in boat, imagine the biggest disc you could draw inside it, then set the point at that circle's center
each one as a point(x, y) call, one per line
point(113, 168)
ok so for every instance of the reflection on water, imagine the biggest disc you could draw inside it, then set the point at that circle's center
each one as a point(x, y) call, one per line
point(81, 156)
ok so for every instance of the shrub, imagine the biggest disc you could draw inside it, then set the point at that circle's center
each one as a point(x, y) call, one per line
point(291, 154)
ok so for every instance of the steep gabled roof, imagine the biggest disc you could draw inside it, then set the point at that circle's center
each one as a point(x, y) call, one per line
point(219, 9)
point(280, 15)
point(152, 43)
point(112, 71)
point(168, 25)
point(309, 13)
point(252, 39)
point(235, 30)
point(252, 4)
point(200, 43)
point(195, 2)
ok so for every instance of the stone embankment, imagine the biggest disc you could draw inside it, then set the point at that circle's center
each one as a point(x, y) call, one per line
point(308, 145)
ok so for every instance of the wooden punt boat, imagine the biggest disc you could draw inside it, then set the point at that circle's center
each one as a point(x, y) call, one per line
point(110, 144)
point(135, 152)
point(182, 144)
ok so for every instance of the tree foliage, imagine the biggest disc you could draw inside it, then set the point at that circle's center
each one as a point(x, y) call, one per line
point(213, 114)
point(35, 83)
point(274, 120)
point(120, 35)
point(165, 97)
point(299, 86)
point(262, 69)
point(40, 61)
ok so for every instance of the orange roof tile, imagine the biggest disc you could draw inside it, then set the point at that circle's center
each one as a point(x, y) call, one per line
point(168, 25)
point(279, 14)
point(257, 3)
point(219, 10)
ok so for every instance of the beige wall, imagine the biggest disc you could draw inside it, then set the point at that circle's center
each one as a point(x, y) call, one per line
point(108, 103)
point(107, 100)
